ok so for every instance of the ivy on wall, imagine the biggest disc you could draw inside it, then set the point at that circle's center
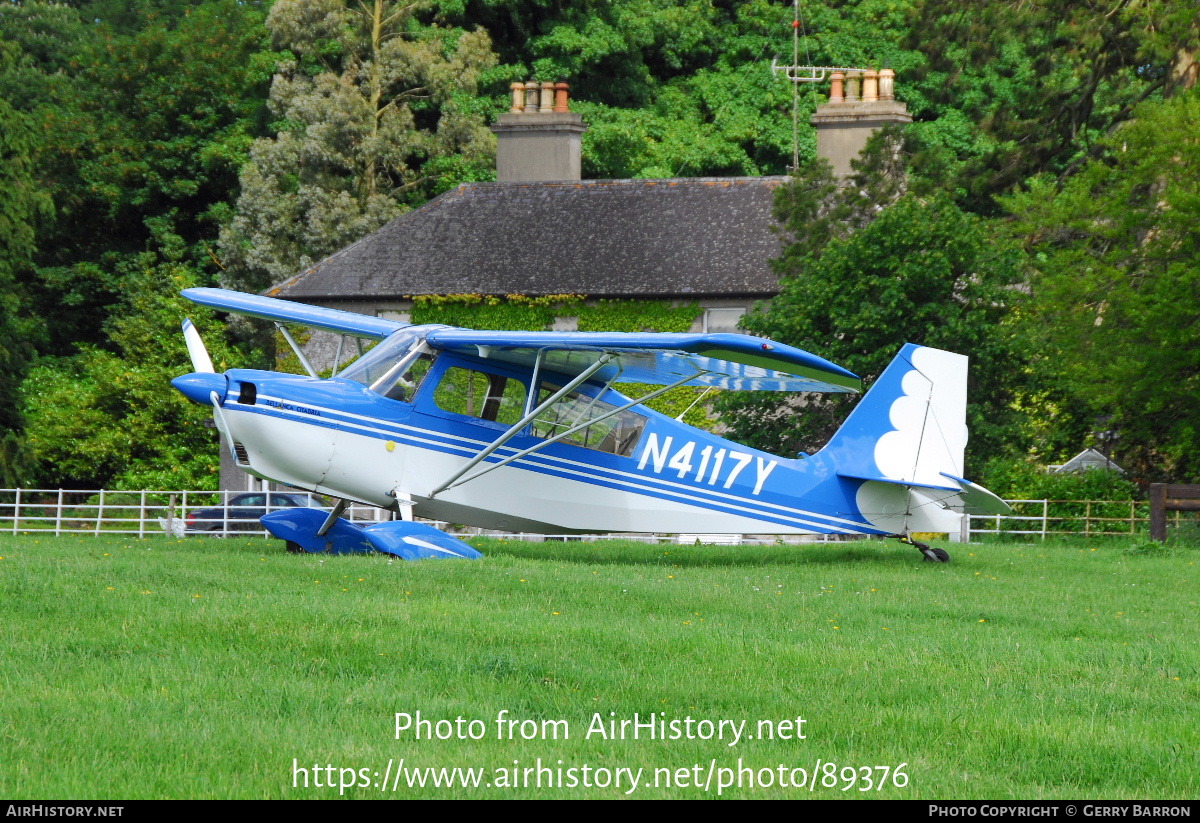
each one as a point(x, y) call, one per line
point(518, 312)
point(511, 312)
point(637, 315)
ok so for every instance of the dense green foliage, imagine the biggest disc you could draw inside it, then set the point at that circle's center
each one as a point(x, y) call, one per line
point(1020, 479)
point(160, 440)
point(1116, 254)
point(20, 205)
point(233, 141)
point(859, 282)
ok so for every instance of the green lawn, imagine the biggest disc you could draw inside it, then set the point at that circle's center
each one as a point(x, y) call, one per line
point(228, 668)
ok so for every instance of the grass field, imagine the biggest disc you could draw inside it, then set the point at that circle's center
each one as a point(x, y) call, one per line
point(228, 668)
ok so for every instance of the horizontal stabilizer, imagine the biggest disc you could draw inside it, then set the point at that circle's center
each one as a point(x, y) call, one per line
point(955, 494)
point(285, 311)
point(978, 500)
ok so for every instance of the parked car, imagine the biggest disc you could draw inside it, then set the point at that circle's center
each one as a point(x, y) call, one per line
point(243, 510)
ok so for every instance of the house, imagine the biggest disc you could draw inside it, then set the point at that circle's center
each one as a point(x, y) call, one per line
point(701, 240)
point(541, 230)
point(1087, 459)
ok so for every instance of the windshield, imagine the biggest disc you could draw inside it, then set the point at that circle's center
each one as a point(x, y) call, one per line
point(376, 363)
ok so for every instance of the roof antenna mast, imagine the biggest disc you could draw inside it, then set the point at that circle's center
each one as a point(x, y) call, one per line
point(801, 74)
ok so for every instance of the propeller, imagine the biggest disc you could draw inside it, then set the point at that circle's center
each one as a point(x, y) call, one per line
point(201, 362)
point(203, 385)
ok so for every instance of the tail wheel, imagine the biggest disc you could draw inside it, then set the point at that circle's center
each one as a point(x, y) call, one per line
point(294, 547)
point(936, 555)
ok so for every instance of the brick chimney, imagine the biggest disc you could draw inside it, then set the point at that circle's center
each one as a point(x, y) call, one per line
point(539, 138)
point(860, 102)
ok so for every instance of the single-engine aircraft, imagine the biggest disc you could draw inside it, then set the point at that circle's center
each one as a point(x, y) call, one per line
point(524, 431)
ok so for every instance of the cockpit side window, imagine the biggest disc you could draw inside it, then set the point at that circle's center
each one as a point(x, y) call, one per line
point(492, 397)
point(405, 387)
point(616, 434)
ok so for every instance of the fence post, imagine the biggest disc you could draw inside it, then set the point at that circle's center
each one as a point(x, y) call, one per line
point(142, 515)
point(171, 517)
point(58, 515)
point(1158, 511)
point(16, 511)
point(1045, 518)
point(99, 513)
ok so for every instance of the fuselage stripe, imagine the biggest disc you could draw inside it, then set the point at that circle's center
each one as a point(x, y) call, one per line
point(550, 464)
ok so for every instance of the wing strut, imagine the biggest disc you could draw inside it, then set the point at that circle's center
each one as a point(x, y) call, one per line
point(337, 358)
point(524, 421)
point(590, 421)
point(296, 350)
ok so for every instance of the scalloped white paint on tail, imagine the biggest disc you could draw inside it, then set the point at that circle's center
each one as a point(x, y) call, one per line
point(906, 440)
point(930, 421)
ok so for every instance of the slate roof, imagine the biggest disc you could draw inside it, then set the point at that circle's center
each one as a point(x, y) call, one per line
point(686, 237)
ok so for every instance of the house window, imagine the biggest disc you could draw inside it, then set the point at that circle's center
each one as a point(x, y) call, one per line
point(722, 320)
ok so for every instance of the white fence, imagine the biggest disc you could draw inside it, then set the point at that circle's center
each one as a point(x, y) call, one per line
point(193, 512)
point(1072, 518)
point(186, 513)
point(142, 513)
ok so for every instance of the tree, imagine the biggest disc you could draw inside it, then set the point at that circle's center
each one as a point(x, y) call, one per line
point(103, 419)
point(1116, 259)
point(1010, 89)
point(874, 265)
point(21, 205)
point(375, 110)
point(145, 118)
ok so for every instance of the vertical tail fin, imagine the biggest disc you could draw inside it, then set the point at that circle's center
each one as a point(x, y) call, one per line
point(911, 427)
point(907, 438)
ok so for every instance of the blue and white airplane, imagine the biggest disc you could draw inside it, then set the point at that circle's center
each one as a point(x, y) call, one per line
point(524, 431)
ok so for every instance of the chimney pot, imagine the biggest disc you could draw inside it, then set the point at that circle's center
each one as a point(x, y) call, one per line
point(837, 94)
point(870, 89)
point(547, 103)
point(853, 84)
point(561, 103)
point(887, 84)
point(531, 97)
point(518, 98)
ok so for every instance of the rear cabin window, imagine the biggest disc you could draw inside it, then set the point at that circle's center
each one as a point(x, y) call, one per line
point(616, 434)
point(491, 397)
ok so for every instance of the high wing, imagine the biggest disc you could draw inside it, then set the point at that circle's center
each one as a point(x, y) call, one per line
point(727, 361)
point(285, 311)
